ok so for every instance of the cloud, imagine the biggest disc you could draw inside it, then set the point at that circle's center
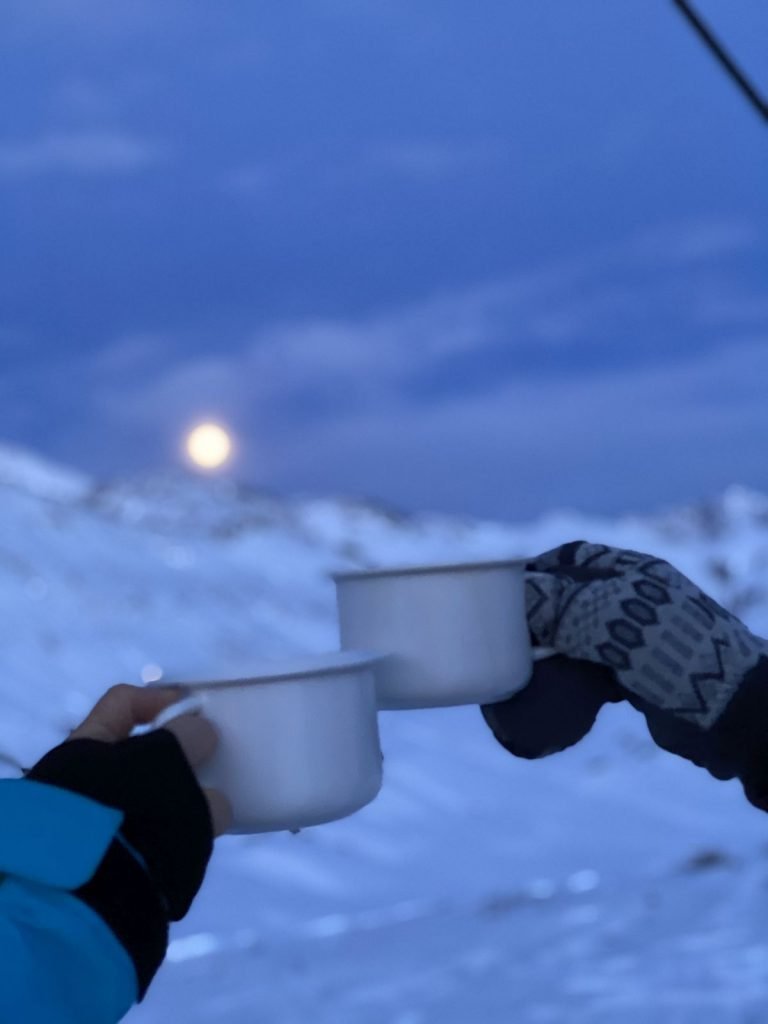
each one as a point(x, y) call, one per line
point(51, 17)
point(612, 439)
point(728, 304)
point(577, 387)
point(363, 361)
point(252, 180)
point(427, 159)
point(134, 354)
point(696, 241)
point(12, 341)
point(539, 315)
point(84, 100)
point(80, 153)
point(424, 161)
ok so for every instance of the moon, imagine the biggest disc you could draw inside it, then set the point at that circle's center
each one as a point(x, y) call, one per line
point(209, 445)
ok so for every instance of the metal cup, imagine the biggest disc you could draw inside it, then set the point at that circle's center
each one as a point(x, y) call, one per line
point(298, 745)
point(452, 634)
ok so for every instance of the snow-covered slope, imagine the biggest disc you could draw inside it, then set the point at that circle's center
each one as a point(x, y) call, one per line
point(611, 882)
point(32, 474)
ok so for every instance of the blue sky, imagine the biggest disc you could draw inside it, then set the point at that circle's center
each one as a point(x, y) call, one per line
point(488, 260)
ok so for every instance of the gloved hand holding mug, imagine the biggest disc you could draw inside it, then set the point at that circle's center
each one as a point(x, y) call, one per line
point(629, 626)
point(156, 864)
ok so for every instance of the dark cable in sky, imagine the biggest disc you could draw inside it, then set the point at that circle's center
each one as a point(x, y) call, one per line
point(722, 55)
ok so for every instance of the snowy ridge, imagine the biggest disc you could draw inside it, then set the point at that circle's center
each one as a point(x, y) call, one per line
point(34, 475)
point(609, 882)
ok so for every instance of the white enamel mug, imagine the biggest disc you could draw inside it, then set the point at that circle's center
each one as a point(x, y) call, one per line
point(452, 634)
point(298, 745)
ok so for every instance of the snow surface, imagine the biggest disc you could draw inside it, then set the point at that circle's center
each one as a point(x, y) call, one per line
point(612, 882)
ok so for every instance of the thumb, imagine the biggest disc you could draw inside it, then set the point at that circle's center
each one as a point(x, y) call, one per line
point(555, 710)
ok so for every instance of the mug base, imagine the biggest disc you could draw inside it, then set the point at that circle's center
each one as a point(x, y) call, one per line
point(453, 700)
point(302, 820)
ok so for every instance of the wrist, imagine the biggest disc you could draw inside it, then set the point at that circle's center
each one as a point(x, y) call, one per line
point(124, 896)
point(148, 778)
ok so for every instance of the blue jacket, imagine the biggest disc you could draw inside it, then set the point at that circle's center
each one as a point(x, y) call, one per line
point(60, 964)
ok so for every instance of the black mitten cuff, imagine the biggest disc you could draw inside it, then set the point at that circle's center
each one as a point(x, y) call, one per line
point(167, 823)
point(126, 899)
point(742, 730)
point(166, 814)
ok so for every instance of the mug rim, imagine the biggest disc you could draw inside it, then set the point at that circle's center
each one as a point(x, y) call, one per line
point(316, 668)
point(424, 570)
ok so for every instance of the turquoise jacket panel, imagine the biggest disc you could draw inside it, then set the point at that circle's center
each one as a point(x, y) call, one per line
point(60, 964)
